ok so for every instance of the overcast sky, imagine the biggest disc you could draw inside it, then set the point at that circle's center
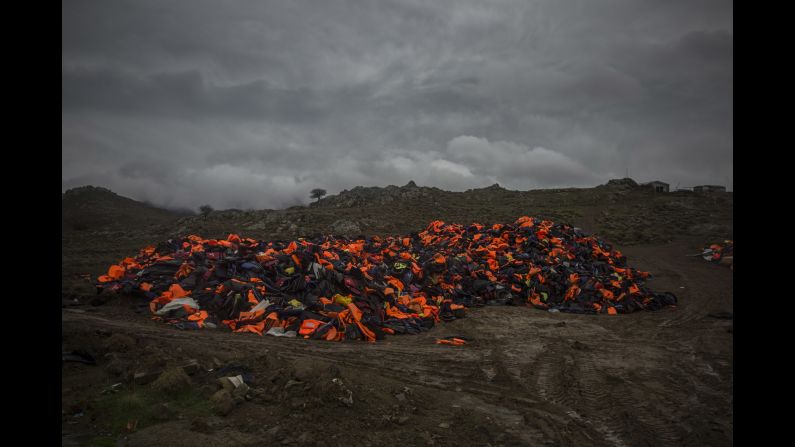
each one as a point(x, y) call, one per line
point(251, 104)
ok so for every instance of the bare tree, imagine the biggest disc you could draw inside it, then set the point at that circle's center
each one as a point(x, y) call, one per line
point(205, 210)
point(317, 193)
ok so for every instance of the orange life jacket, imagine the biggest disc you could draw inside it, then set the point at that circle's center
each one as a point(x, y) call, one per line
point(309, 326)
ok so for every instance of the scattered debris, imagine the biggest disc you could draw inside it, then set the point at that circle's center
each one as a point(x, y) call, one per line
point(452, 340)
point(231, 383)
point(722, 254)
point(115, 388)
point(347, 395)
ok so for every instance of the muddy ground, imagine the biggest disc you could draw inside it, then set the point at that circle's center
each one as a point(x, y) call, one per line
point(529, 377)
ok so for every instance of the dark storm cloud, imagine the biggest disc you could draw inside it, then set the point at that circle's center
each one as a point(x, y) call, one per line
point(252, 104)
point(186, 94)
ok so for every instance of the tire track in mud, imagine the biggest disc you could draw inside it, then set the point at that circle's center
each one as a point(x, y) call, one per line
point(549, 418)
point(635, 419)
point(572, 385)
point(672, 399)
point(650, 415)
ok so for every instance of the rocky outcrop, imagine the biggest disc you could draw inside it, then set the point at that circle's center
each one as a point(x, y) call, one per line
point(369, 196)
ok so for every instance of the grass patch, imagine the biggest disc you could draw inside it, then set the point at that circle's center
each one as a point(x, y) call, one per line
point(115, 411)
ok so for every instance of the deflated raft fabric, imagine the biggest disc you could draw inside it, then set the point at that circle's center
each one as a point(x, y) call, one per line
point(341, 289)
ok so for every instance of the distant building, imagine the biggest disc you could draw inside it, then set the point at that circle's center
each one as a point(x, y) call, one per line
point(709, 188)
point(657, 185)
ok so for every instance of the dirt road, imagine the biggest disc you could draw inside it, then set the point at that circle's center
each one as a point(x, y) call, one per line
point(529, 377)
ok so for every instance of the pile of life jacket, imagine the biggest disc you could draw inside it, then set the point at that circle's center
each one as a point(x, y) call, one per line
point(720, 253)
point(341, 289)
point(716, 252)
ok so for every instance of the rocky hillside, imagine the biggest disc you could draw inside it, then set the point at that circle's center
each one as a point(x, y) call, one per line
point(91, 208)
point(377, 196)
point(620, 211)
point(99, 227)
